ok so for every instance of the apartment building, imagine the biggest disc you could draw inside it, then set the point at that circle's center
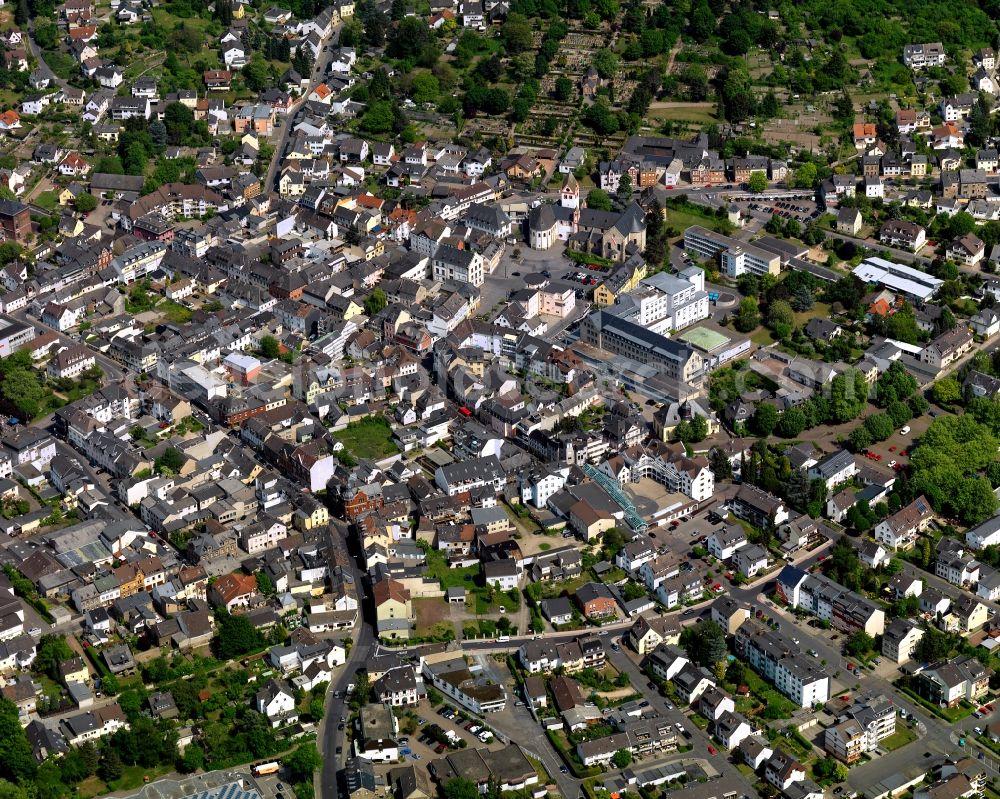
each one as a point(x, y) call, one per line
point(782, 662)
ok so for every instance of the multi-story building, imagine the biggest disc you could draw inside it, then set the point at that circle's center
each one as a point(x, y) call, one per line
point(900, 639)
point(900, 530)
point(921, 56)
point(678, 362)
point(781, 661)
point(948, 683)
point(827, 600)
point(735, 257)
point(467, 685)
point(860, 728)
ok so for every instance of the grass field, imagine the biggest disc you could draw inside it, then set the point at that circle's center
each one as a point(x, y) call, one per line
point(900, 738)
point(682, 220)
point(700, 113)
point(174, 312)
point(437, 567)
point(368, 438)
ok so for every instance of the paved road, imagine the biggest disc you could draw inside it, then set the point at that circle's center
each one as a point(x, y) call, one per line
point(319, 69)
point(329, 737)
point(36, 52)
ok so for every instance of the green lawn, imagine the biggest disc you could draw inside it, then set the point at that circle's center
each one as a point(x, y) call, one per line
point(683, 219)
point(47, 200)
point(900, 738)
point(696, 115)
point(368, 438)
point(175, 312)
point(437, 567)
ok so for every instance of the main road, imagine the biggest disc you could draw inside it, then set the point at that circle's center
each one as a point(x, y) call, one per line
point(319, 69)
point(330, 736)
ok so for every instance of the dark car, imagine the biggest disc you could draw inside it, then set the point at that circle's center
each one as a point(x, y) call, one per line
point(515, 274)
point(563, 770)
point(340, 749)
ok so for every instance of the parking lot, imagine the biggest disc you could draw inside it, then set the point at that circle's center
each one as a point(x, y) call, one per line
point(801, 211)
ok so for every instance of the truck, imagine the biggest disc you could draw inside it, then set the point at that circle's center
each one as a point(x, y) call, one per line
point(263, 769)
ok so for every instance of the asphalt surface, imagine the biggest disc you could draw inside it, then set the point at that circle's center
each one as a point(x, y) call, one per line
point(319, 70)
point(330, 738)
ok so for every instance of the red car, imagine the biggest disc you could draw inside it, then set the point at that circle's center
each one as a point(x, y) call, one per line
point(712, 750)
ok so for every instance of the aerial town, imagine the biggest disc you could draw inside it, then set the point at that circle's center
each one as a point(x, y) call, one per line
point(584, 399)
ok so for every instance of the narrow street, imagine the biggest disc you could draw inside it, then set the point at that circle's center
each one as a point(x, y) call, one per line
point(319, 70)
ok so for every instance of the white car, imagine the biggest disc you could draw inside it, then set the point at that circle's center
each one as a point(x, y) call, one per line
point(892, 464)
point(35, 631)
point(905, 430)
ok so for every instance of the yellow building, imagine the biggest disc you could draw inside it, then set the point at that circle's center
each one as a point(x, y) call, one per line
point(619, 282)
point(393, 609)
point(74, 670)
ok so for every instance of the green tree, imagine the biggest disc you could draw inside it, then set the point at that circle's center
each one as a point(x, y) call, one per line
point(362, 689)
point(235, 636)
point(699, 428)
point(599, 200)
point(932, 647)
point(701, 23)
point(171, 461)
point(624, 193)
point(764, 419)
point(747, 315)
point(460, 788)
point(110, 686)
point(621, 758)
point(192, 760)
point(705, 643)
point(805, 176)
point(736, 99)
point(425, 88)
point(859, 644)
point(303, 762)
point(758, 182)
point(265, 584)
point(781, 318)
point(606, 62)
point(879, 426)
point(256, 75)
point(110, 767)
point(85, 203)
point(828, 769)
point(376, 301)
point(791, 424)
point(378, 118)
point(52, 651)
point(563, 89)
point(946, 391)
point(517, 33)
point(269, 347)
point(17, 763)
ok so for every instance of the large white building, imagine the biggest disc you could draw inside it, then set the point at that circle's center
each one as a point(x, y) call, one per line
point(800, 678)
point(735, 257)
point(665, 302)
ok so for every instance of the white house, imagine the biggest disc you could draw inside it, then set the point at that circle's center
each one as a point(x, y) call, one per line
point(724, 542)
point(277, 702)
